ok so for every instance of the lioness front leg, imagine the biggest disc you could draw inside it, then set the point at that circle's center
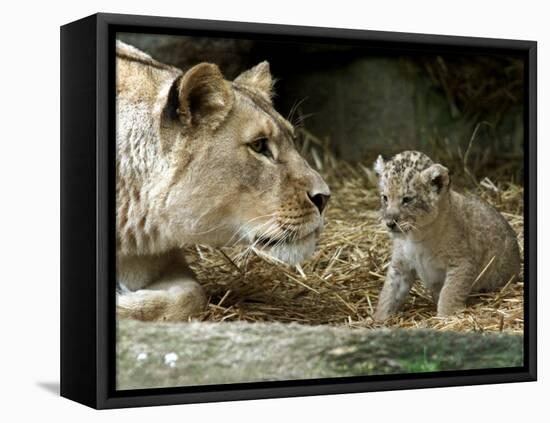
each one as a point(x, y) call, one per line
point(168, 300)
point(169, 292)
point(456, 288)
point(399, 280)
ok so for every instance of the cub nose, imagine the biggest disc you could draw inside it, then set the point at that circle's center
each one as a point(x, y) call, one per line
point(391, 224)
point(319, 200)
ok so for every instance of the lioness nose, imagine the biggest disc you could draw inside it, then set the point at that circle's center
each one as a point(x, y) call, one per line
point(318, 192)
point(319, 200)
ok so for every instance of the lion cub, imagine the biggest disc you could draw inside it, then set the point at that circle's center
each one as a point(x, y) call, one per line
point(456, 244)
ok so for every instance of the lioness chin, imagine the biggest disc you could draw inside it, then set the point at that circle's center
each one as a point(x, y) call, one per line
point(201, 160)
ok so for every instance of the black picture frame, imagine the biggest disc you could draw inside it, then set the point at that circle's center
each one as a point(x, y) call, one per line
point(87, 212)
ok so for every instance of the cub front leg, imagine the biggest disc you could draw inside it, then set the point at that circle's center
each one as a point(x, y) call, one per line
point(399, 280)
point(456, 288)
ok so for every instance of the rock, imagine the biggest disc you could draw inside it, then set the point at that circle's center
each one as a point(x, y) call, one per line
point(369, 104)
point(366, 101)
point(151, 355)
point(231, 55)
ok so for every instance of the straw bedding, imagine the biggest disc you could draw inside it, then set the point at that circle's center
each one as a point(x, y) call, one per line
point(340, 284)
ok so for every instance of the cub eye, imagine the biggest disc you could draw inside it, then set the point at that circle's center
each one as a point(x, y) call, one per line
point(384, 198)
point(406, 200)
point(260, 146)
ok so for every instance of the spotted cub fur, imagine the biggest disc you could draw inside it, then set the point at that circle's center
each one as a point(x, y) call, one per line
point(456, 244)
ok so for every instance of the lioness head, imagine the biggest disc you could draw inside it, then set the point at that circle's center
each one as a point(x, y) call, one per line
point(235, 174)
point(412, 188)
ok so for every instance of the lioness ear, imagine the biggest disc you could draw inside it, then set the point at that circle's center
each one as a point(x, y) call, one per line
point(258, 79)
point(379, 166)
point(437, 176)
point(204, 97)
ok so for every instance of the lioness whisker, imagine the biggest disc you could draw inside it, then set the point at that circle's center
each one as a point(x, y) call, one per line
point(296, 232)
point(294, 108)
point(282, 239)
point(247, 232)
point(300, 120)
point(265, 233)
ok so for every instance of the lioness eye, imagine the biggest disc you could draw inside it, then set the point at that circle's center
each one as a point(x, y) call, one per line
point(384, 199)
point(407, 200)
point(260, 146)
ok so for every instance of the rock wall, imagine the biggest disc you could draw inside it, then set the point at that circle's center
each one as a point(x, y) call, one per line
point(367, 101)
point(162, 355)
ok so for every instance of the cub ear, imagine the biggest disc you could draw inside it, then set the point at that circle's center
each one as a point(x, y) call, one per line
point(258, 79)
point(204, 97)
point(379, 165)
point(437, 176)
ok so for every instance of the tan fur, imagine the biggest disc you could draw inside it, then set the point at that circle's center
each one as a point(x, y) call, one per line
point(456, 244)
point(187, 174)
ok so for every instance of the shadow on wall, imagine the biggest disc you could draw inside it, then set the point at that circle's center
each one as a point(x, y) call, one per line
point(365, 101)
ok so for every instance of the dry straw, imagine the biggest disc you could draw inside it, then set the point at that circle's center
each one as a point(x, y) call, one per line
point(340, 284)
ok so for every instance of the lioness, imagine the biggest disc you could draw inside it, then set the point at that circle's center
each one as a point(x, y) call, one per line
point(455, 243)
point(201, 160)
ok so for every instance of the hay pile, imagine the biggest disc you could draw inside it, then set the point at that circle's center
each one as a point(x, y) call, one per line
point(340, 284)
